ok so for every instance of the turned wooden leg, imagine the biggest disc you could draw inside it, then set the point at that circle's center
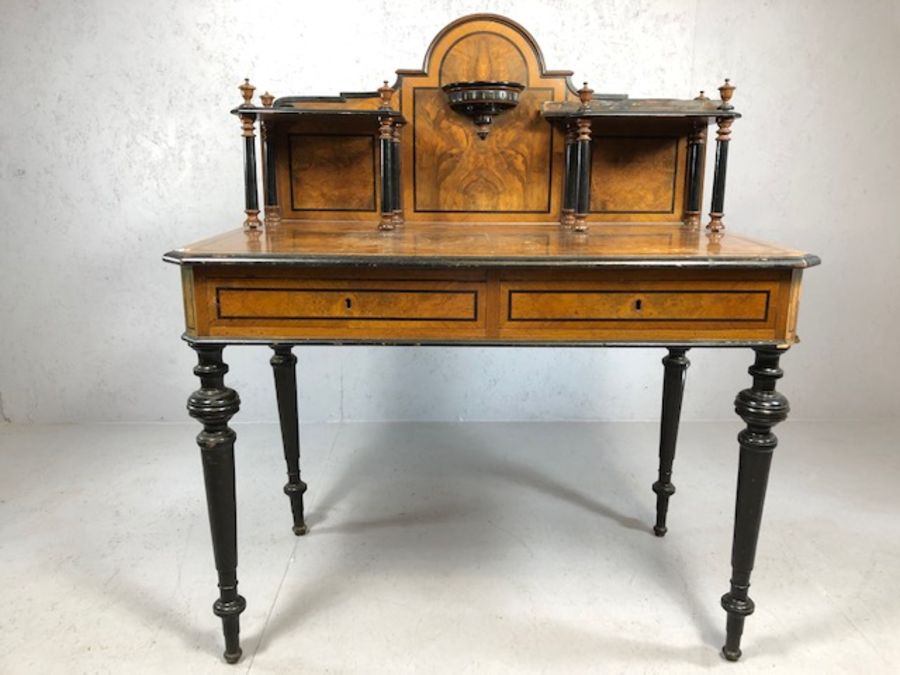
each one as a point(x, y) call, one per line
point(284, 366)
point(761, 407)
point(676, 365)
point(213, 405)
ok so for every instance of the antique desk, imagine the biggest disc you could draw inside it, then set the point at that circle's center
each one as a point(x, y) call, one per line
point(483, 200)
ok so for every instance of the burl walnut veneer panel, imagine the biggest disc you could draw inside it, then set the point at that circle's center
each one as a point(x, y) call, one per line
point(636, 175)
point(332, 172)
point(510, 171)
point(449, 174)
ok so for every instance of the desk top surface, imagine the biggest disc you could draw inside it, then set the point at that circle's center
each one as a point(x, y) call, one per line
point(471, 244)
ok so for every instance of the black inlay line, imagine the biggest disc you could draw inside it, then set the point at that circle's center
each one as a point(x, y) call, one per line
point(290, 144)
point(677, 140)
point(339, 291)
point(416, 208)
point(509, 316)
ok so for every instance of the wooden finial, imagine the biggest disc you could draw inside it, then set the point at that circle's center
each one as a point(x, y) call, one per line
point(247, 90)
point(702, 96)
point(585, 94)
point(267, 100)
point(386, 92)
point(726, 91)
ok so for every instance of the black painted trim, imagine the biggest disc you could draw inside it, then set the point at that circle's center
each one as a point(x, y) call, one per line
point(478, 342)
point(179, 257)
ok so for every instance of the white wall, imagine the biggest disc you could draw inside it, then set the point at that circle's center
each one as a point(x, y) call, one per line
point(116, 145)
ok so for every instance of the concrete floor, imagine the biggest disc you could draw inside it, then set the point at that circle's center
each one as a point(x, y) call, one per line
point(446, 548)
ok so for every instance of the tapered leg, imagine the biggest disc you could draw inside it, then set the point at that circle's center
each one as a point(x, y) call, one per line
point(761, 407)
point(213, 405)
point(284, 366)
point(676, 365)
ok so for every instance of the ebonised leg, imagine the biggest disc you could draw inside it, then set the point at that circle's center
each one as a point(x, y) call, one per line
point(284, 366)
point(676, 364)
point(761, 407)
point(213, 405)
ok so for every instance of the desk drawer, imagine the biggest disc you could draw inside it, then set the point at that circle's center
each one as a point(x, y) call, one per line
point(637, 305)
point(347, 304)
point(351, 308)
point(611, 308)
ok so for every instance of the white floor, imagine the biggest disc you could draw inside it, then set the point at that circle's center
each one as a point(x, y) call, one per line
point(447, 548)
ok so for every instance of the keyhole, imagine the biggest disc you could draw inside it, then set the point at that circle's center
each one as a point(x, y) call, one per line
point(348, 303)
point(637, 305)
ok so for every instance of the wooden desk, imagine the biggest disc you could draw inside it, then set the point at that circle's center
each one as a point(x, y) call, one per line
point(430, 274)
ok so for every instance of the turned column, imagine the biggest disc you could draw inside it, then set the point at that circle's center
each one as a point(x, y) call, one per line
point(386, 146)
point(675, 364)
point(570, 191)
point(696, 154)
point(723, 138)
point(270, 193)
point(386, 151)
point(397, 217)
point(248, 120)
point(213, 405)
point(583, 161)
point(761, 407)
point(284, 367)
point(583, 166)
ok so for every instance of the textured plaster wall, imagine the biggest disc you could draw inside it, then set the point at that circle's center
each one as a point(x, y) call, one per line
point(116, 145)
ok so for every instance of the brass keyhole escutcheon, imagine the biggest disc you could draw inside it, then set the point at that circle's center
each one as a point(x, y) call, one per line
point(637, 305)
point(348, 303)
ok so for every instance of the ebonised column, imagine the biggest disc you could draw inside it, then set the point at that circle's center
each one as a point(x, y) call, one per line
point(717, 208)
point(696, 151)
point(570, 189)
point(397, 216)
point(723, 137)
point(583, 165)
point(213, 405)
point(761, 407)
point(273, 213)
point(386, 145)
point(284, 367)
point(251, 197)
point(676, 365)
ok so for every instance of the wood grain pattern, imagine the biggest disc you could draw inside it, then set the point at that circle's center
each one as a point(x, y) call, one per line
point(332, 172)
point(629, 303)
point(604, 304)
point(337, 302)
point(484, 56)
point(356, 302)
point(635, 175)
point(187, 292)
point(455, 171)
point(485, 304)
point(452, 176)
point(357, 243)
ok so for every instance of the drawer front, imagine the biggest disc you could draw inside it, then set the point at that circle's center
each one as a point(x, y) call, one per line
point(654, 309)
point(637, 305)
point(350, 304)
point(364, 309)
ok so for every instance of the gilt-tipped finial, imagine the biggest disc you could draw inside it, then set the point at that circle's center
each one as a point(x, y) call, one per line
point(386, 92)
point(585, 94)
point(267, 99)
point(247, 90)
point(726, 91)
